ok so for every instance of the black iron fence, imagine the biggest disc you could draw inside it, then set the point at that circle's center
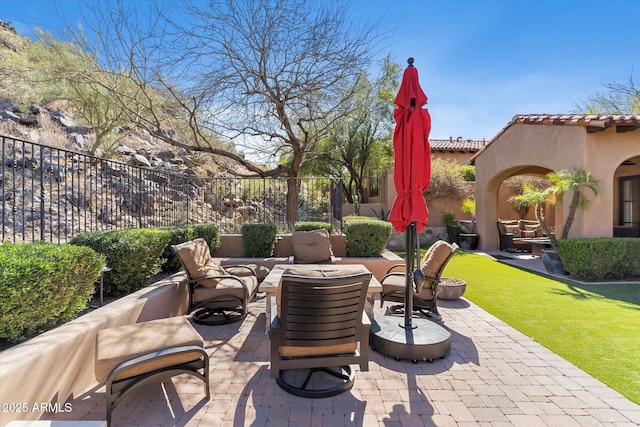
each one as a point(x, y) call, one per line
point(52, 194)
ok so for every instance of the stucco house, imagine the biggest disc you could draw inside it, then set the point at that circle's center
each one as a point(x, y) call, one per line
point(608, 146)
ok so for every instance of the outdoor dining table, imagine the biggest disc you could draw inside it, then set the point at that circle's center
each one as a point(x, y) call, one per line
point(270, 284)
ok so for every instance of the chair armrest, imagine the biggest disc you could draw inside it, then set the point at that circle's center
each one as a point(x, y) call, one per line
point(194, 282)
point(393, 267)
point(391, 275)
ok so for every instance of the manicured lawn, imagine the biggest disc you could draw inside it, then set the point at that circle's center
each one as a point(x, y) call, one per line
point(595, 327)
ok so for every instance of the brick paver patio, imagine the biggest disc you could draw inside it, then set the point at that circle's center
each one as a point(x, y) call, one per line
point(494, 376)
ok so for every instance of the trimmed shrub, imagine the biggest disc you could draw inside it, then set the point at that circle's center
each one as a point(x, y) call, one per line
point(312, 225)
point(43, 285)
point(597, 259)
point(133, 255)
point(180, 234)
point(365, 236)
point(259, 239)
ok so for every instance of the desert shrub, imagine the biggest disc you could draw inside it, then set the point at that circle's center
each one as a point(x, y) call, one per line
point(133, 255)
point(43, 285)
point(180, 234)
point(259, 239)
point(597, 259)
point(365, 236)
point(312, 225)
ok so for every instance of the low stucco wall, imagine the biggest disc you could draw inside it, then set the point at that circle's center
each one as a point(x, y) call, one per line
point(376, 265)
point(231, 246)
point(58, 365)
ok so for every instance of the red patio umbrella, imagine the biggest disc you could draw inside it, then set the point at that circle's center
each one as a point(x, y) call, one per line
point(412, 173)
point(412, 153)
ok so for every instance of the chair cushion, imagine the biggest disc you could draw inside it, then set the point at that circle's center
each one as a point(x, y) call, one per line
point(435, 258)
point(310, 247)
point(226, 287)
point(327, 350)
point(194, 255)
point(211, 268)
point(123, 343)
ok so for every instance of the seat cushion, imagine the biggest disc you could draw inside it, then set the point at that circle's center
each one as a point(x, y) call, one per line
point(210, 269)
point(310, 247)
point(226, 287)
point(123, 343)
point(327, 350)
point(396, 282)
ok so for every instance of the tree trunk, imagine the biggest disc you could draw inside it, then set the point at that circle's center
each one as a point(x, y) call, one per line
point(573, 207)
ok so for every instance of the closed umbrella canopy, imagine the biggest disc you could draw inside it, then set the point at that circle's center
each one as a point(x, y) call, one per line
point(412, 154)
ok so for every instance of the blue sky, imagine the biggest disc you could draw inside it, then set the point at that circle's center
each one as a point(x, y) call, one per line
point(480, 62)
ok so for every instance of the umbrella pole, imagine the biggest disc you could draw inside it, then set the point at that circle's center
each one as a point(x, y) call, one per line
point(410, 247)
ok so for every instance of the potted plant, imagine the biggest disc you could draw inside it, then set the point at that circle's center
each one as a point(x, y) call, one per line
point(453, 229)
point(469, 238)
point(562, 182)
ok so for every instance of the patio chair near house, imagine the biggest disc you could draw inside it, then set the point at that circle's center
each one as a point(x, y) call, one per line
point(320, 326)
point(424, 300)
point(217, 294)
point(311, 247)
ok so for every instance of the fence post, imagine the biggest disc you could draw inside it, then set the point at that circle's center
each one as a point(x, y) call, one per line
point(42, 225)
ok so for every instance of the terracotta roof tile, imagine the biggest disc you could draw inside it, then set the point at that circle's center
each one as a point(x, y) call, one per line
point(458, 144)
point(586, 120)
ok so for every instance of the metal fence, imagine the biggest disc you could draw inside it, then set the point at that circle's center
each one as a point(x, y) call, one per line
point(52, 194)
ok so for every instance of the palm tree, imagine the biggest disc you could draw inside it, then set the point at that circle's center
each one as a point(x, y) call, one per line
point(561, 182)
point(565, 181)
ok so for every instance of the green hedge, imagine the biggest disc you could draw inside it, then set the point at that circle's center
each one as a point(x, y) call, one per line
point(134, 255)
point(180, 234)
point(312, 225)
point(597, 259)
point(259, 239)
point(365, 236)
point(43, 285)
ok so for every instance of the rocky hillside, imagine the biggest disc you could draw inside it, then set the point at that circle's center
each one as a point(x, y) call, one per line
point(56, 124)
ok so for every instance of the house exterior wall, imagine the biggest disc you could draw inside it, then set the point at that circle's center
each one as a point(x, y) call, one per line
point(527, 148)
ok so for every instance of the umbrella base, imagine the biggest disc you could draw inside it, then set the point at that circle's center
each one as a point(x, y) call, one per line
point(425, 340)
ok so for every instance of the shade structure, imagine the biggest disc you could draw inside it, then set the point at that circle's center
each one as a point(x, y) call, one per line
point(415, 339)
point(412, 154)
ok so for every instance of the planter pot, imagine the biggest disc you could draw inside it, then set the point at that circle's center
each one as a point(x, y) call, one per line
point(552, 261)
point(451, 288)
point(469, 241)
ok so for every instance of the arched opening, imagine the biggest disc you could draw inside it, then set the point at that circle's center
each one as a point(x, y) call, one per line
point(626, 203)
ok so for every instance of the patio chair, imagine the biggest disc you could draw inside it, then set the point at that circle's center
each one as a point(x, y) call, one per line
point(321, 328)
point(217, 294)
point(311, 247)
point(424, 299)
point(131, 356)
